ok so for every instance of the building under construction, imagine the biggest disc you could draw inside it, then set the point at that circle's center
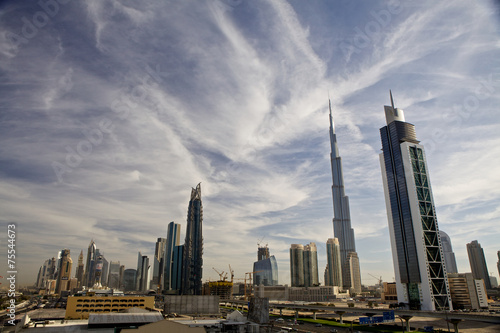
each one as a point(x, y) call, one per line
point(223, 289)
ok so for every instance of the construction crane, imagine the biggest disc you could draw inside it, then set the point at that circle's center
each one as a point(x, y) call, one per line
point(232, 273)
point(378, 278)
point(221, 275)
point(250, 278)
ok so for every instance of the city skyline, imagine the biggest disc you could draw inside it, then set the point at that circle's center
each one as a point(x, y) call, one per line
point(106, 123)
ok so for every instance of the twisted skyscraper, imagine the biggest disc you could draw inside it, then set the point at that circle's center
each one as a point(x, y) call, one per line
point(342, 218)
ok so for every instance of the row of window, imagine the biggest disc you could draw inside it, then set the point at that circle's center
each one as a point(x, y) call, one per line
point(104, 305)
point(109, 301)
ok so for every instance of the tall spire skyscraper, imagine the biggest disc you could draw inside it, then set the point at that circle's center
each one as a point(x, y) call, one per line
point(192, 268)
point(341, 218)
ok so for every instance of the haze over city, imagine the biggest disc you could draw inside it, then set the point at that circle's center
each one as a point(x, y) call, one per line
point(113, 110)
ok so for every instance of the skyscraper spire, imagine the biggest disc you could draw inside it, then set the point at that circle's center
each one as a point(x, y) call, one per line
point(342, 219)
point(392, 102)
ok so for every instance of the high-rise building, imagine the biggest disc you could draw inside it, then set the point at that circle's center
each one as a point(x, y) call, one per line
point(114, 275)
point(342, 217)
point(477, 262)
point(352, 266)
point(311, 265)
point(465, 293)
point(421, 278)
point(192, 268)
point(297, 265)
point(333, 277)
point(64, 270)
point(265, 268)
point(104, 271)
point(122, 273)
point(158, 262)
point(89, 276)
point(80, 270)
point(173, 240)
point(142, 275)
point(176, 275)
point(449, 255)
point(129, 279)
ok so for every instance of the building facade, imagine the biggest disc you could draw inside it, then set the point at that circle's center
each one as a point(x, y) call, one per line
point(352, 266)
point(80, 270)
point(311, 278)
point(333, 272)
point(478, 262)
point(297, 265)
point(192, 267)
point(158, 263)
point(129, 279)
point(64, 271)
point(421, 277)
point(265, 268)
point(172, 241)
point(449, 255)
point(467, 292)
point(114, 275)
point(89, 276)
point(79, 307)
point(342, 217)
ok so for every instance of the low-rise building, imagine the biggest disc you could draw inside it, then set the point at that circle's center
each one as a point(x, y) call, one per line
point(79, 307)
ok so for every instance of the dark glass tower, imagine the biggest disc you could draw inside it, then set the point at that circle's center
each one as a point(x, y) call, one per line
point(193, 246)
point(89, 276)
point(342, 217)
point(265, 268)
point(421, 277)
point(478, 262)
point(173, 240)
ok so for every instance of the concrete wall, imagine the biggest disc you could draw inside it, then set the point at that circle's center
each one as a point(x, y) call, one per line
point(192, 304)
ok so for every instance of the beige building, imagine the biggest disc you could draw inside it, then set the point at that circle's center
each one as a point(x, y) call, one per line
point(467, 292)
point(389, 293)
point(79, 307)
point(305, 294)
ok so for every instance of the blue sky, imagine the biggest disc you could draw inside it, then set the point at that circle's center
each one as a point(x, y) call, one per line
point(110, 111)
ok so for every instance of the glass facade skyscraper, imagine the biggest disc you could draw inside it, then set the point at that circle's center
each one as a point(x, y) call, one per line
point(421, 278)
point(342, 217)
point(192, 268)
point(297, 265)
point(311, 265)
point(478, 263)
point(265, 268)
point(333, 275)
point(449, 256)
point(173, 240)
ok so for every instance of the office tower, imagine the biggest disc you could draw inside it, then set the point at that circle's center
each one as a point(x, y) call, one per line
point(192, 267)
point(352, 266)
point(311, 265)
point(297, 265)
point(449, 256)
point(142, 273)
point(158, 262)
point(266, 268)
point(333, 277)
point(80, 270)
point(89, 275)
point(421, 279)
point(64, 270)
point(173, 240)
point(122, 273)
point(129, 279)
point(342, 218)
point(177, 262)
point(114, 275)
point(98, 271)
point(478, 263)
point(103, 277)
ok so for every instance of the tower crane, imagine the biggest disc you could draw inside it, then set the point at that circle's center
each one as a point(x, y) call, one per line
point(221, 275)
point(378, 278)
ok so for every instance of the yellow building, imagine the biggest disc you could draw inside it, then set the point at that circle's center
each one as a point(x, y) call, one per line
point(79, 307)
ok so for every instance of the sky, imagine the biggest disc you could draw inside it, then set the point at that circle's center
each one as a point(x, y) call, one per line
point(111, 111)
